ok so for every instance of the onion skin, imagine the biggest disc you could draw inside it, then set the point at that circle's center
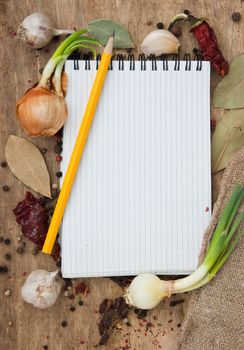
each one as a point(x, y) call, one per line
point(41, 111)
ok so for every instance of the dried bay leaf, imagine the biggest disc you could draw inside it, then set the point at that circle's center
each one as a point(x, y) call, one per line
point(27, 164)
point(230, 91)
point(101, 29)
point(228, 138)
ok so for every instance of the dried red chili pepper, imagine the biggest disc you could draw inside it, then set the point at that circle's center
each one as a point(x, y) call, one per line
point(33, 218)
point(207, 42)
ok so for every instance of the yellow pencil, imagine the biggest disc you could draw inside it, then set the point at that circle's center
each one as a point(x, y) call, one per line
point(78, 148)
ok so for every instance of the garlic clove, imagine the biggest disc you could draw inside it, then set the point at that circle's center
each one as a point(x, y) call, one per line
point(160, 42)
point(41, 288)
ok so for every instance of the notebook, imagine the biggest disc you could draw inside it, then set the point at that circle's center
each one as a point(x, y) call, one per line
point(142, 195)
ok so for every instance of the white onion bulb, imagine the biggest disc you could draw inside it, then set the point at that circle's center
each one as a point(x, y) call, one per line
point(147, 290)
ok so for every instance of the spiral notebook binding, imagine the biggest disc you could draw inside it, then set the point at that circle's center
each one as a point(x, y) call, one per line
point(144, 61)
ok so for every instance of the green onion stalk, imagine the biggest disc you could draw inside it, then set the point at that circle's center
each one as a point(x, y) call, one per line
point(147, 290)
point(42, 109)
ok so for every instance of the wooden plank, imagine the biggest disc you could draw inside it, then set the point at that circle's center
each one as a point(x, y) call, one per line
point(32, 328)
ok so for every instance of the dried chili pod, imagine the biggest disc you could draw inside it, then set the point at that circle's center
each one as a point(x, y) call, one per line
point(206, 40)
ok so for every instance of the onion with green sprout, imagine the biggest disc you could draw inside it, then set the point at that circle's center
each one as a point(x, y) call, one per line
point(42, 109)
point(147, 290)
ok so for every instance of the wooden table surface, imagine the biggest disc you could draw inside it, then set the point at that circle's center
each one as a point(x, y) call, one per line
point(21, 326)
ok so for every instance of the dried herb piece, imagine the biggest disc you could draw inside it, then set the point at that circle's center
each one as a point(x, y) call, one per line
point(27, 164)
point(101, 29)
point(228, 138)
point(33, 218)
point(229, 93)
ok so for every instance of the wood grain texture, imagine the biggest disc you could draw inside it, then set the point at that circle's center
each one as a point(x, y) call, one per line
point(31, 328)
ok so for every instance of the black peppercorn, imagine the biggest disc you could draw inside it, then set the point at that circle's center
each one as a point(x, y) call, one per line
point(80, 302)
point(71, 296)
point(186, 12)
point(72, 308)
point(176, 30)
point(236, 16)
point(58, 149)
point(1, 238)
point(58, 263)
point(160, 25)
point(4, 269)
point(7, 241)
point(45, 347)
point(5, 188)
point(195, 51)
point(64, 324)
point(7, 256)
point(59, 173)
point(44, 150)
point(3, 164)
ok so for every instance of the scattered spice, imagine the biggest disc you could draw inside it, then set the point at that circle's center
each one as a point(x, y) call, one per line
point(3, 269)
point(149, 23)
point(5, 188)
point(21, 248)
point(3, 164)
point(43, 150)
point(7, 241)
point(123, 281)
point(178, 325)
point(81, 288)
point(59, 158)
point(110, 312)
point(160, 25)
point(55, 186)
point(80, 302)
point(186, 12)
point(140, 313)
point(176, 302)
point(59, 174)
point(58, 148)
point(1, 239)
point(176, 30)
point(71, 296)
point(33, 218)
point(7, 256)
point(64, 324)
point(45, 347)
point(7, 293)
point(72, 308)
point(236, 16)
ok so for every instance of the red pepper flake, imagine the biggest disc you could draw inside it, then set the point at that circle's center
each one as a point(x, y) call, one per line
point(13, 33)
point(24, 273)
point(207, 209)
point(59, 158)
point(82, 288)
point(33, 218)
point(29, 81)
point(96, 311)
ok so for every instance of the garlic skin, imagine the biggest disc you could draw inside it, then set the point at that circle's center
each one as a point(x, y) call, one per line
point(41, 111)
point(147, 290)
point(37, 30)
point(160, 42)
point(41, 288)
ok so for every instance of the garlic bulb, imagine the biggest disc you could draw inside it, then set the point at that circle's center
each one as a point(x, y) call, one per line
point(160, 42)
point(41, 288)
point(37, 30)
point(147, 290)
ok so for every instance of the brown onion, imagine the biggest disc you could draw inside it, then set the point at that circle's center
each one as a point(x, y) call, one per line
point(41, 111)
